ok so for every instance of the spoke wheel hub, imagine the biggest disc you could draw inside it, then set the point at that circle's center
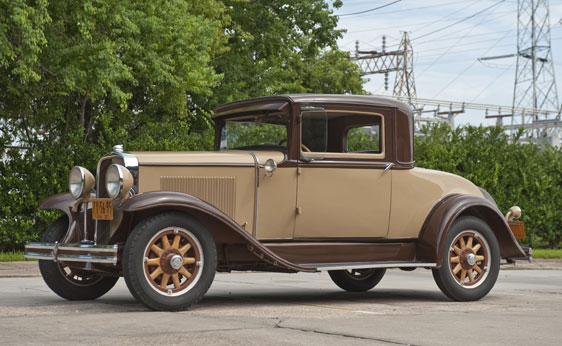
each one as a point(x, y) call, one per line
point(470, 259)
point(467, 259)
point(176, 261)
point(169, 256)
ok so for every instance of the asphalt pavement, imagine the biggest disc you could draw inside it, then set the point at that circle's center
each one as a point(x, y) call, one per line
point(406, 308)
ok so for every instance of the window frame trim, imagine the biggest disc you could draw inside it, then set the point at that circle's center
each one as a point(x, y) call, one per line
point(316, 156)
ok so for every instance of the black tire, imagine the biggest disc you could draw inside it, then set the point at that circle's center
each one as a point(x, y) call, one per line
point(70, 283)
point(460, 279)
point(357, 280)
point(145, 278)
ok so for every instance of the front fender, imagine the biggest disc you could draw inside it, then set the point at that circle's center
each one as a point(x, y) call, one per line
point(223, 229)
point(434, 230)
point(62, 201)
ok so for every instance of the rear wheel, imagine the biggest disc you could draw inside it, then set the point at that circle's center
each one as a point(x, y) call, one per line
point(471, 260)
point(357, 280)
point(70, 283)
point(169, 261)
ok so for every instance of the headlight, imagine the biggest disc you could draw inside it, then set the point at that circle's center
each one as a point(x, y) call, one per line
point(118, 181)
point(80, 182)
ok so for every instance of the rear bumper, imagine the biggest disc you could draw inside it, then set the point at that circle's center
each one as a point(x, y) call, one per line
point(528, 255)
point(86, 253)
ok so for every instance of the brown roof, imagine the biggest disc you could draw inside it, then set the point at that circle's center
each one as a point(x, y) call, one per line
point(280, 101)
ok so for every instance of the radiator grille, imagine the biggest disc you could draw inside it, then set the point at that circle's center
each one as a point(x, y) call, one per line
point(218, 191)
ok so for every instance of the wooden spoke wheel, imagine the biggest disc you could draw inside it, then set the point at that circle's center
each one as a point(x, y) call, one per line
point(172, 261)
point(468, 259)
point(471, 260)
point(169, 261)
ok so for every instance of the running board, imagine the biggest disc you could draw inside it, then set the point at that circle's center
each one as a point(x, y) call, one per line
point(88, 253)
point(371, 265)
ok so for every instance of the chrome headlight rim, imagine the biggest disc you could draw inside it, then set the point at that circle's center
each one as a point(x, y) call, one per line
point(119, 181)
point(80, 182)
point(71, 182)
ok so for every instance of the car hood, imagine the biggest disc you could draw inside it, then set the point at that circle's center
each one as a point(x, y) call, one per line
point(227, 157)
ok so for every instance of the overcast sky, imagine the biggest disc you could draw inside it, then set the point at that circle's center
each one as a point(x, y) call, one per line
point(445, 63)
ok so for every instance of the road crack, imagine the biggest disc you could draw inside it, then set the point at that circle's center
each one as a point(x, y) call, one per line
point(278, 325)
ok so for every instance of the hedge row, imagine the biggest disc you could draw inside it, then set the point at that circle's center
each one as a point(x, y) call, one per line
point(526, 175)
point(514, 174)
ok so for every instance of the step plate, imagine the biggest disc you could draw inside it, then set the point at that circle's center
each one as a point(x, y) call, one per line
point(368, 265)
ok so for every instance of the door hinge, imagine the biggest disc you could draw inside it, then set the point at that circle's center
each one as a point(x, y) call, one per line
point(299, 211)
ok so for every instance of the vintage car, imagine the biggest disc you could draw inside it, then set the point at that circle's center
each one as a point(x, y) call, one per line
point(296, 183)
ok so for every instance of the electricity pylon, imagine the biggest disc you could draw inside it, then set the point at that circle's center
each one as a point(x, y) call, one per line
point(535, 83)
point(400, 61)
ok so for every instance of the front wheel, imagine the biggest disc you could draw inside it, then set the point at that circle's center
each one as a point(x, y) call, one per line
point(70, 283)
point(169, 261)
point(471, 260)
point(357, 280)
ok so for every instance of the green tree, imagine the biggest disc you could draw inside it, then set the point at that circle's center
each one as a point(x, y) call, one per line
point(78, 77)
point(283, 47)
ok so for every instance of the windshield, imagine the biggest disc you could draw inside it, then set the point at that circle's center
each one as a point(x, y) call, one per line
point(267, 131)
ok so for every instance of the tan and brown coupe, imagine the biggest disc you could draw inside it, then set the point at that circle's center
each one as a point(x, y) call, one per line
point(296, 183)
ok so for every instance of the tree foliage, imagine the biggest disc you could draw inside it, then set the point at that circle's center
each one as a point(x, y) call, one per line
point(285, 46)
point(77, 77)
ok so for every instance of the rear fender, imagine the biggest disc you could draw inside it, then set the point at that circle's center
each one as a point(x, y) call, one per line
point(432, 236)
point(224, 230)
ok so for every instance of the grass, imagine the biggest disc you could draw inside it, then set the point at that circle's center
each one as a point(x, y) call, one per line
point(12, 256)
point(17, 256)
point(547, 253)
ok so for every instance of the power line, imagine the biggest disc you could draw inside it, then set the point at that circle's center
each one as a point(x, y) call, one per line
point(421, 7)
point(460, 21)
point(492, 82)
point(423, 24)
point(454, 44)
point(371, 10)
point(468, 67)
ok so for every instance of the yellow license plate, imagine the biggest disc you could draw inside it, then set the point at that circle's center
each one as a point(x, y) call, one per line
point(518, 229)
point(102, 209)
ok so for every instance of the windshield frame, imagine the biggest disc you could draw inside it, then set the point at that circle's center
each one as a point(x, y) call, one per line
point(221, 123)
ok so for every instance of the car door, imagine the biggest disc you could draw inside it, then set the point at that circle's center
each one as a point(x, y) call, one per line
point(343, 186)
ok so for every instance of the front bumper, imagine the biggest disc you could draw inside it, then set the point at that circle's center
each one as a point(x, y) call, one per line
point(86, 253)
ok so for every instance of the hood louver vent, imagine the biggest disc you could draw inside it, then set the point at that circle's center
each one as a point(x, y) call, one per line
point(218, 191)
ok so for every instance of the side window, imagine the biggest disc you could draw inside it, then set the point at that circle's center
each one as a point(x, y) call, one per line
point(366, 139)
point(314, 132)
point(341, 134)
